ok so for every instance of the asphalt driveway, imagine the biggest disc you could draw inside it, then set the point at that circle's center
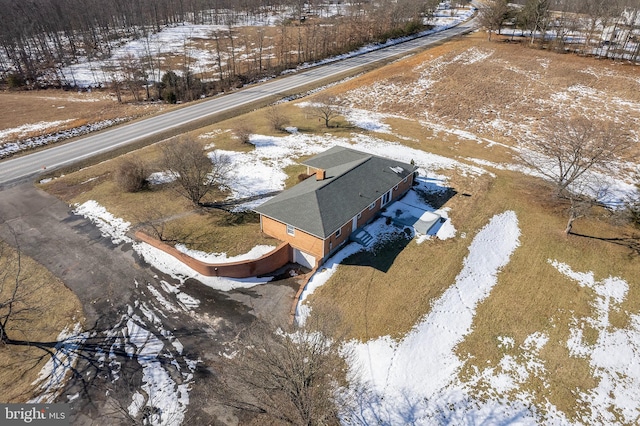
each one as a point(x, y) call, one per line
point(125, 299)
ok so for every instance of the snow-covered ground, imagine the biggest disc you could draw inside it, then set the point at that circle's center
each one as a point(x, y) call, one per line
point(416, 380)
point(406, 378)
point(169, 41)
point(180, 40)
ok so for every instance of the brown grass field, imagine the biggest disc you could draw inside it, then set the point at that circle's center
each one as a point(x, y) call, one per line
point(494, 90)
point(52, 308)
point(20, 108)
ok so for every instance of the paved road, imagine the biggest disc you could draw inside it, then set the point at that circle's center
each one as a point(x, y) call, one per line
point(30, 165)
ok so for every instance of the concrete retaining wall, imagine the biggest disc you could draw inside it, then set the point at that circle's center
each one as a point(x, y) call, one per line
point(265, 264)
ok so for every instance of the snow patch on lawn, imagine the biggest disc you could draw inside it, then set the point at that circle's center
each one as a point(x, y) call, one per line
point(402, 378)
point(614, 357)
point(367, 120)
point(160, 178)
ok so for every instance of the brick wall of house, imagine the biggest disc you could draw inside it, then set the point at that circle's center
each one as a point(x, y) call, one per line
point(301, 240)
point(366, 215)
point(265, 264)
point(335, 241)
point(402, 188)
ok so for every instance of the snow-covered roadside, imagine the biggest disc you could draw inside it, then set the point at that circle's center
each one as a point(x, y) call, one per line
point(10, 148)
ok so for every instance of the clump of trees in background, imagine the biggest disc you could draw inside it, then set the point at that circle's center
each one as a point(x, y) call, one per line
point(606, 29)
point(40, 38)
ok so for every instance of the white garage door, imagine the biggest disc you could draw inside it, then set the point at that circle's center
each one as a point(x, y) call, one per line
point(304, 259)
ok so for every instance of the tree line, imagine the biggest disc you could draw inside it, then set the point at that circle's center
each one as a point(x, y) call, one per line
point(608, 29)
point(39, 38)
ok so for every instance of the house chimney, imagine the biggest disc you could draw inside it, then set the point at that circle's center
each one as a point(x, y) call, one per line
point(320, 174)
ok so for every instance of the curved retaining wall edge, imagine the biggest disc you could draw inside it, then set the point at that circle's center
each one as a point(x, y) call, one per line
point(265, 264)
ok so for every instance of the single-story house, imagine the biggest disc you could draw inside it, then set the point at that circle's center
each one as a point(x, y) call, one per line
point(317, 216)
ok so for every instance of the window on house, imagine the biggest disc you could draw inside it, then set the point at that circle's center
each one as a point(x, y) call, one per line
point(372, 206)
point(291, 230)
point(395, 188)
point(405, 179)
point(386, 198)
point(338, 232)
point(359, 215)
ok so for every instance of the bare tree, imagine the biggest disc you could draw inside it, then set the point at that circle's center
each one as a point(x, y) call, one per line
point(196, 173)
point(276, 118)
point(535, 16)
point(326, 108)
point(566, 151)
point(131, 68)
point(288, 376)
point(492, 15)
